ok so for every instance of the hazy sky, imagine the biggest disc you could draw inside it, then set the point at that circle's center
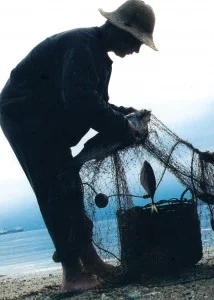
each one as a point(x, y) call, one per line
point(176, 83)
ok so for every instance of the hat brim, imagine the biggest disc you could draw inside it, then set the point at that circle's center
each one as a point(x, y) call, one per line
point(117, 20)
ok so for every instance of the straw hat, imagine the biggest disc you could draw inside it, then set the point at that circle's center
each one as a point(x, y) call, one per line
point(136, 17)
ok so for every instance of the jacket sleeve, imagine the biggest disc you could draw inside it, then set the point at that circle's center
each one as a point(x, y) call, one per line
point(80, 79)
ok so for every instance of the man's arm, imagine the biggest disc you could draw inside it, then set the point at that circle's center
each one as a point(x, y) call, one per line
point(124, 110)
point(81, 99)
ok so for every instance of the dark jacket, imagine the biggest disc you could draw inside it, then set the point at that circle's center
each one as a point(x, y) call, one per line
point(63, 84)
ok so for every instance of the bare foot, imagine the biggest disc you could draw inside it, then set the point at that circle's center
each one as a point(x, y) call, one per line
point(78, 278)
point(94, 264)
point(100, 268)
point(80, 281)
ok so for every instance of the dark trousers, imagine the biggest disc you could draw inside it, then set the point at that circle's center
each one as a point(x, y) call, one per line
point(47, 162)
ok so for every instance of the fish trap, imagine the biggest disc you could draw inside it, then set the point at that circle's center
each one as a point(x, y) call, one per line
point(180, 233)
point(160, 243)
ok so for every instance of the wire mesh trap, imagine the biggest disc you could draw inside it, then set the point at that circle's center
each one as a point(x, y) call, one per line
point(125, 229)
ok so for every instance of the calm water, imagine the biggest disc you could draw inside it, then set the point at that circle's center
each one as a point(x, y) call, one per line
point(26, 251)
point(32, 251)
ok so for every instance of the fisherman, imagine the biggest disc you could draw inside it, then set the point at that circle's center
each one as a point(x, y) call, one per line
point(52, 98)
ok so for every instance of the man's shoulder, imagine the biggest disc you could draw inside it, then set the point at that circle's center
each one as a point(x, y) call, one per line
point(81, 45)
point(77, 36)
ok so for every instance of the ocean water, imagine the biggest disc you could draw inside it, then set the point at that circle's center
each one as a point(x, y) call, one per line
point(30, 251)
point(24, 252)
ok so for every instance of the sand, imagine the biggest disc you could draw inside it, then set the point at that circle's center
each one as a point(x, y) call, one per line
point(195, 283)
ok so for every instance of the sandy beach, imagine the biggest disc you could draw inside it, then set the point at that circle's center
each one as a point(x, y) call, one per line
point(195, 283)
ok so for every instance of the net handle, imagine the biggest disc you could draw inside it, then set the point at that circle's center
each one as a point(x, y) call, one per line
point(184, 192)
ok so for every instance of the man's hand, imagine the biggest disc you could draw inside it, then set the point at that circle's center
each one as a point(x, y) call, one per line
point(130, 110)
point(132, 134)
point(207, 156)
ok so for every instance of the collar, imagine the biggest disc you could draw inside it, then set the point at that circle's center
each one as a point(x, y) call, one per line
point(108, 60)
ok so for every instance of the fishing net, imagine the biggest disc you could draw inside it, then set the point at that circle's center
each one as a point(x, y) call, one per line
point(118, 177)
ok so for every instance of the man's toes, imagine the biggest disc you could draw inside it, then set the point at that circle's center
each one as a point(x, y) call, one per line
point(83, 282)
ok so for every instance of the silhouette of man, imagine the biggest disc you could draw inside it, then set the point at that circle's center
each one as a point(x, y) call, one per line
point(52, 98)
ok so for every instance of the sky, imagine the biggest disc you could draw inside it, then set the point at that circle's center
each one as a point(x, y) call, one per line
point(176, 82)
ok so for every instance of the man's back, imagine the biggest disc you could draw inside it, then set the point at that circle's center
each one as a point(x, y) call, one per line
point(53, 78)
point(45, 61)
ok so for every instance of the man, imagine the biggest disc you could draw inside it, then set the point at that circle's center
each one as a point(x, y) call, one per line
point(52, 98)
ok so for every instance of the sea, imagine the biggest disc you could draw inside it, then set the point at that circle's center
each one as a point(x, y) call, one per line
point(31, 251)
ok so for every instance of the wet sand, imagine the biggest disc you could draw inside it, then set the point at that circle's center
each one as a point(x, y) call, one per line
point(195, 283)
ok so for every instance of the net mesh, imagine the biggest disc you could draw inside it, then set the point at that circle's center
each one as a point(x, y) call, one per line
point(118, 176)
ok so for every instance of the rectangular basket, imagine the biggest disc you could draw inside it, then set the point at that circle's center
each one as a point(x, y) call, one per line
point(160, 243)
